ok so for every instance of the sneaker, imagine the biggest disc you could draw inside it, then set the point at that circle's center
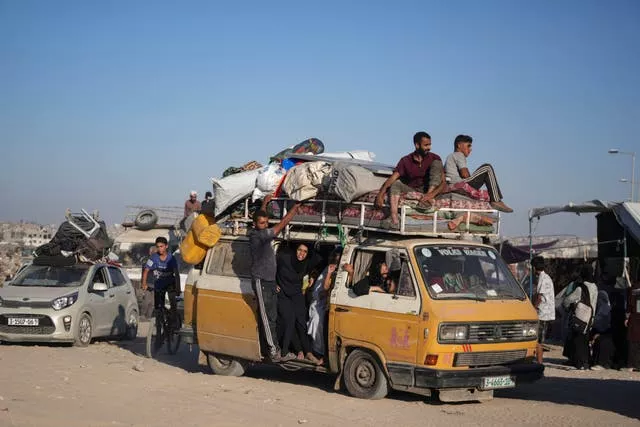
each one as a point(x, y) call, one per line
point(288, 357)
point(597, 368)
point(275, 357)
point(500, 206)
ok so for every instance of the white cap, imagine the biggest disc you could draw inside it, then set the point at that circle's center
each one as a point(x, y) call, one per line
point(193, 193)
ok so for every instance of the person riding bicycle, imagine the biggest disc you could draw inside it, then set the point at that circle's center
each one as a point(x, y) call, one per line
point(166, 278)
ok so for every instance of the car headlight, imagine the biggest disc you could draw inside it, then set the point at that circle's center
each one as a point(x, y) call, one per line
point(64, 302)
point(454, 332)
point(530, 330)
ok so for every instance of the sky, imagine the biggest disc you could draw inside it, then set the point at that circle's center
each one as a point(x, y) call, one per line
point(105, 104)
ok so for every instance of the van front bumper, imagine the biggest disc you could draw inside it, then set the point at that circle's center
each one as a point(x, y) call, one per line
point(468, 378)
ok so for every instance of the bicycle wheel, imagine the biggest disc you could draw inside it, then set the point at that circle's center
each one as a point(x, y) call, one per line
point(173, 337)
point(154, 339)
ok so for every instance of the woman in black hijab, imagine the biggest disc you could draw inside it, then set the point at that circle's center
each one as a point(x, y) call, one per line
point(292, 310)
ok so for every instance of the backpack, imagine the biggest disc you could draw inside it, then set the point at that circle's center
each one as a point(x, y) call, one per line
point(582, 315)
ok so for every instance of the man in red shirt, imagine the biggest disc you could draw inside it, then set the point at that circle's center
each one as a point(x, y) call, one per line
point(419, 171)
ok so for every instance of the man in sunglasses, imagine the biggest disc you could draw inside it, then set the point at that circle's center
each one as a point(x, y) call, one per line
point(164, 268)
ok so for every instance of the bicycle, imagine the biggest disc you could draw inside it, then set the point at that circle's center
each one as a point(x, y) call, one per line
point(161, 328)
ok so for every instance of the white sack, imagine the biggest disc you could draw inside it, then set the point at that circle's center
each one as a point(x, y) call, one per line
point(304, 181)
point(232, 188)
point(268, 180)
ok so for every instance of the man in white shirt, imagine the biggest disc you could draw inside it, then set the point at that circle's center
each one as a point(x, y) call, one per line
point(456, 170)
point(544, 302)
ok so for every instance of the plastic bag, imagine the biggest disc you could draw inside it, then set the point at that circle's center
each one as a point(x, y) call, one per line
point(268, 180)
point(232, 188)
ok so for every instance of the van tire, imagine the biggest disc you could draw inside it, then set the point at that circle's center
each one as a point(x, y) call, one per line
point(226, 366)
point(146, 219)
point(363, 377)
point(84, 331)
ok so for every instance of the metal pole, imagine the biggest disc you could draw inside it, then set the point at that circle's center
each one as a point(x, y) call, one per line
point(530, 256)
point(633, 175)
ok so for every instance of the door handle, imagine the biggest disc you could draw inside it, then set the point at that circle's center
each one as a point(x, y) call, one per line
point(111, 296)
point(128, 292)
point(342, 309)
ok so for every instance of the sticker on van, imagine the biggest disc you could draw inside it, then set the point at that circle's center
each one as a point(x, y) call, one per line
point(436, 288)
point(426, 252)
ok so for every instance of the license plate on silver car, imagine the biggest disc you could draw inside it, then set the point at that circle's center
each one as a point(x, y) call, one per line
point(490, 383)
point(23, 321)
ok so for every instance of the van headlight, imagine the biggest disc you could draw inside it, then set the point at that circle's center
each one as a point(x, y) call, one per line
point(453, 333)
point(64, 302)
point(530, 330)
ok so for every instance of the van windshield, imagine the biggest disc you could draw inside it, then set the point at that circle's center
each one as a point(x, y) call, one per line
point(466, 272)
point(48, 276)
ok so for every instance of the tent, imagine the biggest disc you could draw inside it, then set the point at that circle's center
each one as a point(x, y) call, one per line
point(627, 215)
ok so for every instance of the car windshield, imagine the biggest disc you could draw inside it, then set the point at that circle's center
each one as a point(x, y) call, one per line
point(48, 276)
point(466, 272)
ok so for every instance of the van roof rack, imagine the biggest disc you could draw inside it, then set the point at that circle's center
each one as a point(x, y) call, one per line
point(168, 216)
point(325, 216)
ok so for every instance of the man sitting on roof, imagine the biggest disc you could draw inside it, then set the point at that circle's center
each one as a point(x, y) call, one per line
point(457, 171)
point(419, 171)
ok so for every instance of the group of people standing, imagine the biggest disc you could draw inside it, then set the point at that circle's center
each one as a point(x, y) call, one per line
point(291, 325)
point(593, 317)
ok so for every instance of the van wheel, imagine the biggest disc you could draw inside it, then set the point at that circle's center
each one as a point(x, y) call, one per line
point(84, 331)
point(224, 365)
point(363, 376)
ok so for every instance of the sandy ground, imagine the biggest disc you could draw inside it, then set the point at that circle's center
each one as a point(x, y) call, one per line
point(112, 384)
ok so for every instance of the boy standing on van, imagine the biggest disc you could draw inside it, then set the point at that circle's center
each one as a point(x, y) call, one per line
point(263, 273)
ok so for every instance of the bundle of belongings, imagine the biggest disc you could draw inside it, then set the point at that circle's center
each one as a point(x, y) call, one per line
point(81, 237)
point(306, 173)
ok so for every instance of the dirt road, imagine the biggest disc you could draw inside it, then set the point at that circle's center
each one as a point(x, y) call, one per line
point(111, 384)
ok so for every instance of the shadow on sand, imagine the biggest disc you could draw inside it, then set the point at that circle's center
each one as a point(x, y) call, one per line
point(611, 395)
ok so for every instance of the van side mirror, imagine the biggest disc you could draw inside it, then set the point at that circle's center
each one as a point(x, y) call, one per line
point(100, 287)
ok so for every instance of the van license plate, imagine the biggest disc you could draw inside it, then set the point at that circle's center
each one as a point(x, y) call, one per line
point(498, 382)
point(22, 321)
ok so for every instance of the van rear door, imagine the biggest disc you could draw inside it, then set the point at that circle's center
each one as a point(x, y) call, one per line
point(225, 316)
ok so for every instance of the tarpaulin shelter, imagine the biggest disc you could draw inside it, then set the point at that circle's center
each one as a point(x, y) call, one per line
point(618, 225)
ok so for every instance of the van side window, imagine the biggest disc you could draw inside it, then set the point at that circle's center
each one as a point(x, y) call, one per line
point(405, 283)
point(230, 259)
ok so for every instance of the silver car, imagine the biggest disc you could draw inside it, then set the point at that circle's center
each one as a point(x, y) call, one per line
point(68, 304)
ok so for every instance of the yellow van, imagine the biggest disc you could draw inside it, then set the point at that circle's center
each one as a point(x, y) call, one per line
point(457, 326)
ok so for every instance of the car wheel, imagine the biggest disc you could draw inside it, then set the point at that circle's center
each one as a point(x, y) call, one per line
point(132, 326)
point(84, 331)
point(363, 376)
point(224, 365)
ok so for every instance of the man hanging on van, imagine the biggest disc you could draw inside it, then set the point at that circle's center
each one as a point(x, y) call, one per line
point(263, 274)
point(420, 171)
point(457, 171)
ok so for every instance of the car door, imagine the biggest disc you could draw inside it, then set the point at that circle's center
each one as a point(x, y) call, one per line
point(123, 292)
point(102, 303)
point(388, 323)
